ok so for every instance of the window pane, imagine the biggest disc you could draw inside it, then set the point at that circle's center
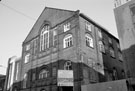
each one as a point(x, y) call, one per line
point(44, 39)
point(89, 40)
point(68, 41)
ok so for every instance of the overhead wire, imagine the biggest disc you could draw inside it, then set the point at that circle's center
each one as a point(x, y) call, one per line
point(17, 11)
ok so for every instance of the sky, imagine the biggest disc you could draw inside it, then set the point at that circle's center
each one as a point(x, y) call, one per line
point(17, 18)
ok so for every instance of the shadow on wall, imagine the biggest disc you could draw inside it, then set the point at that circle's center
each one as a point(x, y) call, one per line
point(129, 57)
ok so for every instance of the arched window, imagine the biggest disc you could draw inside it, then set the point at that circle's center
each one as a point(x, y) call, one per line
point(89, 40)
point(44, 38)
point(101, 47)
point(25, 80)
point(43, 74)
point(68, 65)
point(68, 41)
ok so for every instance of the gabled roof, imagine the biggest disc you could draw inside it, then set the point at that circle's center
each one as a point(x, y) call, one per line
point(52, 15)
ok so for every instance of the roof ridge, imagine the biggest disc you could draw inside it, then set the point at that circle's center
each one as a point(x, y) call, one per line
point(59, 9)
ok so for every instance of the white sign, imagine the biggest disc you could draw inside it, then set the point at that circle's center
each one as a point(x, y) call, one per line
point(65, 78)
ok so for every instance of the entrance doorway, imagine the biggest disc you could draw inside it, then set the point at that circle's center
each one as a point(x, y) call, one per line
point(67, 88)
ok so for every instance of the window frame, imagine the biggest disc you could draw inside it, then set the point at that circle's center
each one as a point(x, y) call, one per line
point(55, 33)
point(44, 38)
point(112, 52)
point(101, 46)
point(88, 26)
point(35, 46)
point(89, 40)
point(68, 41)
point(110, 40)
point(27, 47)
point(67, 27)
point(100, 34)
point(27, 58)
point(68, 65)
point(25, 78)
point(44, 73)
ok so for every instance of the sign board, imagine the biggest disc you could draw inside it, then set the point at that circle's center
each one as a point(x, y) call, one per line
point(65, 78)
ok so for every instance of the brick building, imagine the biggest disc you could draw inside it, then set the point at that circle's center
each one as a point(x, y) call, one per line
point(66, 49)
point(125, 21)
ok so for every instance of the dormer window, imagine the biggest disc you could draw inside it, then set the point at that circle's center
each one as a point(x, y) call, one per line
point(44, 38)
point(67, 27)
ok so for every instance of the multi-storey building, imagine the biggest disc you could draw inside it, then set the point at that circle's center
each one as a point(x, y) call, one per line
point(118, 3)
point(125, 21)
point(12, 81)
point(66, 49)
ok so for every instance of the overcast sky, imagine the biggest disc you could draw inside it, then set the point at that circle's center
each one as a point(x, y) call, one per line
point(18, 16)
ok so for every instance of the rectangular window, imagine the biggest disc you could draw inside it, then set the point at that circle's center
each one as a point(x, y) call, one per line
point(68, 41)
point(33, 76)
point(88, 26)
point(54, 38)
point(120, 56)
point(25, 80)
point(112, 52)
point(101, 47)
point(89, 41)
point(54, 71)
point(99, 33)
point(118, 45)
point(27, 47)
point(67, 27)
point(35, 46)
point(27, 58)
point(110, 40)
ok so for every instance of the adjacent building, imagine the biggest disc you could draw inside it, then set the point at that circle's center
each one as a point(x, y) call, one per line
point(2, 82)
point(12, 81)
point(125, 21)
point(118, 3)
point(66, 49)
